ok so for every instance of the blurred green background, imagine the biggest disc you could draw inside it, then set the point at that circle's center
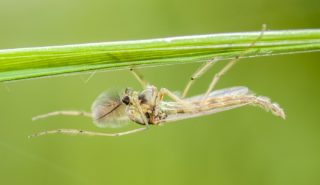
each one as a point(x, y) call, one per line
point(239, 147)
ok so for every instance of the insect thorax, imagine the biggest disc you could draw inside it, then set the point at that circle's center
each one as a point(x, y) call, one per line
point(149, 100)
point(158, 115)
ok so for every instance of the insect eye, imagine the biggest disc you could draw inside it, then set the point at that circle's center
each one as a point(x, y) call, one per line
point(142, 98)
point(126, 100)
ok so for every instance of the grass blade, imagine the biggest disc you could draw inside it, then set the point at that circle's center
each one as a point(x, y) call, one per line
point(24, 63)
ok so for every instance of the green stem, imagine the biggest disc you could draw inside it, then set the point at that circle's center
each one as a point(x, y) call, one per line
point(46, 61)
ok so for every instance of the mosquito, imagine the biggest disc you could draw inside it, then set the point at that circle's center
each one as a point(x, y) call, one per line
point(148, 107)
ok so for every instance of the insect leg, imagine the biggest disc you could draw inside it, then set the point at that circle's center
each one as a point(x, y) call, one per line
point(89, 77)
point(90, 133)
point(174, 97)
point(143, 116)
point(138, 76)
point(63, 112)
point(85, 132)
point(197, 74)
point(171, 95)
point(230, 64)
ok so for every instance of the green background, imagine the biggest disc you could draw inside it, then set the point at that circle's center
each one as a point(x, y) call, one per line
point(239, 147)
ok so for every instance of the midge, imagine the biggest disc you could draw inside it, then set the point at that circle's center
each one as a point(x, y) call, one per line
point(148, 107)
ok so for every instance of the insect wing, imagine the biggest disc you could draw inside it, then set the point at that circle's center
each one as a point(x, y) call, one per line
point(182, 116)
point(232, 91)
point(228, 92)
point(109, 111)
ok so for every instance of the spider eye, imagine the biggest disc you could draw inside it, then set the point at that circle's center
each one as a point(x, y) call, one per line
point(126, 100)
